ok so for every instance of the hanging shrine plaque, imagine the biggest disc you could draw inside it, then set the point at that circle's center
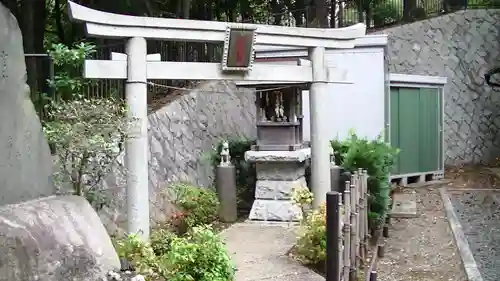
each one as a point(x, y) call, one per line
point(238, 49)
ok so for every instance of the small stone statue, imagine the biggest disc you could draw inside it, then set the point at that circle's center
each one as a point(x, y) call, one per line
point(225, 158)
point(277, 107)
point(332, 155)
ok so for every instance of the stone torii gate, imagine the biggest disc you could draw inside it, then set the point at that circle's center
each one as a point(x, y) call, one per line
point(136, 67)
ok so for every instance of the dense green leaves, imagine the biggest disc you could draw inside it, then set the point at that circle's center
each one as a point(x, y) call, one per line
point(197, 206)
point(198, 255)
point(377, 157)
point(86, 132)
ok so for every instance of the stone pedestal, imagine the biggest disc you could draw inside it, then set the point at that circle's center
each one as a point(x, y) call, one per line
point(278, 173)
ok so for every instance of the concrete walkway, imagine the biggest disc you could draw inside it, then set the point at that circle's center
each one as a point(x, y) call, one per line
point(259, 250)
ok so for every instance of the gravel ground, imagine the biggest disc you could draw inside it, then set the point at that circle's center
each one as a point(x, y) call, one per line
point(422, 248)
point(479, 215)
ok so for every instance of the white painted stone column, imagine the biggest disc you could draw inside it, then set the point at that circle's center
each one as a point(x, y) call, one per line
point(136, 146)
point(320, 144)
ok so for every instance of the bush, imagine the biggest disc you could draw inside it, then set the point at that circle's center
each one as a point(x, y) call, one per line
point(160, 240)
point(86, 133)
point(245, 172)
point(311, 243)
point(200, 255)
point(198, 206)
point(140, 255)
point(377, 157)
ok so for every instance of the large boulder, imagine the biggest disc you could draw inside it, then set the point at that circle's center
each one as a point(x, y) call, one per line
point(25, 161)
point(54, 239)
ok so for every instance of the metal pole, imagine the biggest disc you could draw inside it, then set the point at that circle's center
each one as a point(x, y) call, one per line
point(332, 236)
point(136, 145)
point(320, 152)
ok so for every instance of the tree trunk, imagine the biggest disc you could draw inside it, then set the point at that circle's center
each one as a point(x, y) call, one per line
point(59, 25)
point(360, 8)
point(320, 18)
point(333, 13)
point(276, 11)
point(33, 30)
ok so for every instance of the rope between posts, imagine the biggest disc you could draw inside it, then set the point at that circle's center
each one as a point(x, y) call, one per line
point(205, 91)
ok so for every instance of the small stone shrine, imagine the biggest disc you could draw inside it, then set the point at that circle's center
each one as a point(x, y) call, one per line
point(280, 154)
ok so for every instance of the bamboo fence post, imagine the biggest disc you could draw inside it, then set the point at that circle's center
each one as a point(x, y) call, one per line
point(347, 231)
point(362, 215)
point(353, 228)
point(355, 207)
point(341, 238)
point(359, 211)
point(365, 203)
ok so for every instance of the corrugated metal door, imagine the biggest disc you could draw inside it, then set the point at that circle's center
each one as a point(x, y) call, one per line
point(415, 118)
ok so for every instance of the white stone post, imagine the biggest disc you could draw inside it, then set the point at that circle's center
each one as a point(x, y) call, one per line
point(320, 151)
point(136, 156)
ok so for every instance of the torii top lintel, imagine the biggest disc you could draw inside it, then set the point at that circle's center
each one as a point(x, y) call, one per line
point(102, 24)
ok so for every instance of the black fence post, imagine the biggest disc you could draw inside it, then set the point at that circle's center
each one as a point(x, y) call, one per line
point(332, 236)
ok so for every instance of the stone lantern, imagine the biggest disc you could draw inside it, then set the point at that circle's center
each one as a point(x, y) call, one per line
point(280, 154)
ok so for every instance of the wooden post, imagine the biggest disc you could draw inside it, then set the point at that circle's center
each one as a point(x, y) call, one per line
point(332, 236)
point(347, 230)
point(366, 206)
point(381, 250)
point(364, 217)
point(354, 225)
point(341, 239)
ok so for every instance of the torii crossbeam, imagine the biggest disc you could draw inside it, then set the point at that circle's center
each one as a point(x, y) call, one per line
point(137, 67)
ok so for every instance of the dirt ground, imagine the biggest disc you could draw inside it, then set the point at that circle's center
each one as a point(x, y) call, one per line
point(423, 248)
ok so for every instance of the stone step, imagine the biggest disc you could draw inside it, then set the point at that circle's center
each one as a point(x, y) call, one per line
point(404, 205)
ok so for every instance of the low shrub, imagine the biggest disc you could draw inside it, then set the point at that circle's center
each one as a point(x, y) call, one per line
point(245, 171)
point(197, 206)
point(377, 157)
point(160, 241)
point(199, 255)
point(140, 255)
point(311, 244)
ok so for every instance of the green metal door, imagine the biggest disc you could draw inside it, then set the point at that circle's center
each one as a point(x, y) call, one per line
point(415, 124)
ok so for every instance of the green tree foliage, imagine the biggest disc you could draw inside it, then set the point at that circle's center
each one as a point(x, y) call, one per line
point(85, 132)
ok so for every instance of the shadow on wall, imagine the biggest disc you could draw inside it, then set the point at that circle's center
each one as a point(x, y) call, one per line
point(462, 46)
point(180, 134)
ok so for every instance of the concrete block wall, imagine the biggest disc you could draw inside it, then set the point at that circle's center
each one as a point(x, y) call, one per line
point(181, 133)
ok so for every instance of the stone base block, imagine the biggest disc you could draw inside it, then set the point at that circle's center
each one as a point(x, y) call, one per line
point(275, 210)
point(277, 190)
point(280, 171)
